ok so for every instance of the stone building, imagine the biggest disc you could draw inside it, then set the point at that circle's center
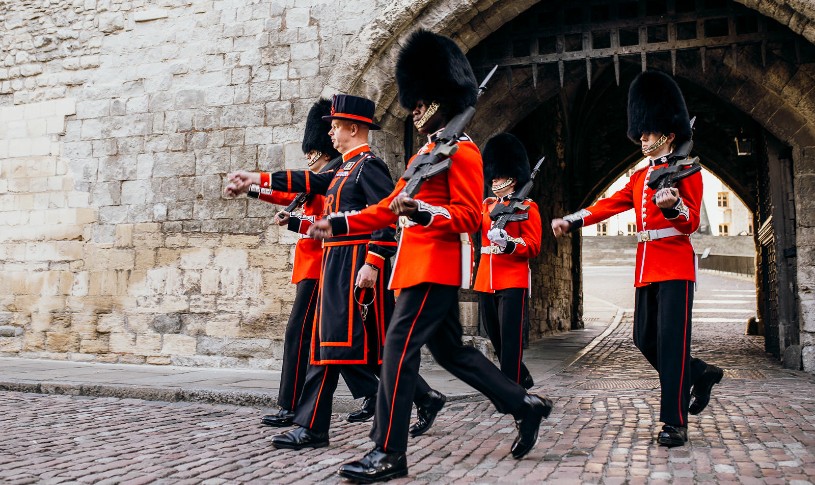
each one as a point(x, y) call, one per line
point(120, 118)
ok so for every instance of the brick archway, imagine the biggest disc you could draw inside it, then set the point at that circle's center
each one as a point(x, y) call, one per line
point(778, 96)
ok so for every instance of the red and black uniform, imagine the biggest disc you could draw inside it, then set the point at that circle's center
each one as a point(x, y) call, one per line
point(430, 263)
point(664, 280)
point(503, 282)
point(305, 274)
point(341, 337)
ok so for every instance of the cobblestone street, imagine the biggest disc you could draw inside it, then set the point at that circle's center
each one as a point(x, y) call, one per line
point(758, 428)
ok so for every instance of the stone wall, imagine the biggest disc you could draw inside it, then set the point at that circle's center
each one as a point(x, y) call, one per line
point(118, 123)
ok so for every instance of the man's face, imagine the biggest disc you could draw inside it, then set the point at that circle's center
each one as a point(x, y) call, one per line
point(341, 134)
point(316, 160)
point(502, 186)
point(426, 117)
point(653, 144)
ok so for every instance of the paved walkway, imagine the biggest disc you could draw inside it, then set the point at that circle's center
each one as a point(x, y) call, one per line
point(759, 427)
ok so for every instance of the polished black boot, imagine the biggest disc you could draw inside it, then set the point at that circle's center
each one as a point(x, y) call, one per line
point(376, 466)
point(700, 397)
point(282, 418)
point(535, 409)
point(671, 436)
point(300, 438)
point(527, 382)
point(365, 413)
point(426, 411)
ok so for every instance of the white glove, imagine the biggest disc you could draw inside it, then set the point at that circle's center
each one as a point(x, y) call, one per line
point(498, 237)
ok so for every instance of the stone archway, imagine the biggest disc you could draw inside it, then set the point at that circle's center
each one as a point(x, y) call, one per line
point(777, 96)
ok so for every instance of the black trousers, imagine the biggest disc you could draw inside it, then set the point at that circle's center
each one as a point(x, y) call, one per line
point(662, 332)
point(296, 345)
point(428, 314)
point(503, 314)
point(314, 409)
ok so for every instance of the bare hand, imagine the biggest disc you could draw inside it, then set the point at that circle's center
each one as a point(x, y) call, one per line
point(320, 230)
point(366, 276)
point(281, 218)
point(560, 227)
point(666, 198)
point(239, 182)
point(402, 205)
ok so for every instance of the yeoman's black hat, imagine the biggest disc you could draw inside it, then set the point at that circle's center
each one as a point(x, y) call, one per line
point(353, 108)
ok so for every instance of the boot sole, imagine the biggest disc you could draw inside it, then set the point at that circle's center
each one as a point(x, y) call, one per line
point(285, 446)
point(548, 405)
point(671, 443)
point(435, 415)
point(274, 424)
point(367, 479)
point(709, 391)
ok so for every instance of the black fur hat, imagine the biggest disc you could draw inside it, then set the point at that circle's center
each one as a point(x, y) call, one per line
point(315, 137)
point(505, 156)
point(431, 67)
point(656, 105)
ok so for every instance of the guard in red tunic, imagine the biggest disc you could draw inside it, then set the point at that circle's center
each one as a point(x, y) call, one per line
point(353, 302)
point(436, 82)
point(665, 267)
point(322, 157)
point(503, 279)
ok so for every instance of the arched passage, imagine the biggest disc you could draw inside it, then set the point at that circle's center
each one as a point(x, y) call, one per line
point(580, 125)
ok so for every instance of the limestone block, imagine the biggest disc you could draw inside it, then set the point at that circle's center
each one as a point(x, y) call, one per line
point(242, 116)
point(180, 345)
point(263, 92)
point(260, 135)
point(34, 341)
point(92, 109)
point(61, 342)
point(305, 50)
point(11, 344)
point(227, 347)
point(195, 258)
point(296, 17)
point(147, 344)
point(122, 343)
point(99, 344)
point(222, 325)
point(173, 164)
point(210, 281)
point(808, 358)
point(203, 304)
point(80, 284)
point(111, 323)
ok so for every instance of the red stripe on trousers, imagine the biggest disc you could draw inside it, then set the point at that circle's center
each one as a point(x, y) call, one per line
point(399, 372)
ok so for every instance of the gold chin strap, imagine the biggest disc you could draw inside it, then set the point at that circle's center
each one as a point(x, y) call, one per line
point(313, 159)
point(655, 146)
point(431, 110)
point(504, 185)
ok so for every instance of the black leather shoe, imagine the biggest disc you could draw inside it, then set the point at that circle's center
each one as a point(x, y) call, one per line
point(535, 410)
point(376, 466)
point(527, 382)
point(300, 438)
point(671, 436)
point(283, 418)
point(700, 397)
point(365, 413)
point(426, 412)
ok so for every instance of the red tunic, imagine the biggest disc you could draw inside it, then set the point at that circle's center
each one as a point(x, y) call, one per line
point(669, 258)
point(308, 252)
point(499, 271)
point(433, 253)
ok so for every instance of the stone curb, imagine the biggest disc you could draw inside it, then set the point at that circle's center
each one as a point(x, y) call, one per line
point(342, 404)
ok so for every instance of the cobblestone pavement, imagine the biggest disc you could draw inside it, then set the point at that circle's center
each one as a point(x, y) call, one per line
point(758, 428)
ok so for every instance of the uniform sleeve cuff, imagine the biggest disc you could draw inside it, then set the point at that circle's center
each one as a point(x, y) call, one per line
point(339, 225)
point(375, 260)
point(509, 248)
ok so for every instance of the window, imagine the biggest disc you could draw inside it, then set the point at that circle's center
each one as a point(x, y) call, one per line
point(724, 199)
point(632, 228)
point(602, 229)
point(724, 229)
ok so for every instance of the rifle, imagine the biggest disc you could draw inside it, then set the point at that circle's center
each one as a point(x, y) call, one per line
point(680, 165)
point(438, 160)
point(516, 209)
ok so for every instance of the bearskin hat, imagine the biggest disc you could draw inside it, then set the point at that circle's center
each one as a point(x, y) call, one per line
point(656, 105)
point(431, 67)
point(505, 156)
point(316, 136)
